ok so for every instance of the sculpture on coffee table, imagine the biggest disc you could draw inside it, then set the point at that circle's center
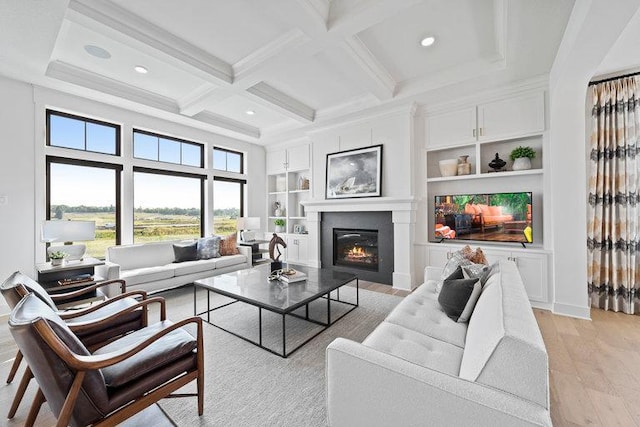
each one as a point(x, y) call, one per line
point(276, 240)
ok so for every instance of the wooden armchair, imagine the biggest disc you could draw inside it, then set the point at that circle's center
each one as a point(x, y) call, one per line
point(94, 326)
point(114, 382)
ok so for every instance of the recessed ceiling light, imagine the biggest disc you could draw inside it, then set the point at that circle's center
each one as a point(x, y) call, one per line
point(97, 51)
point(140, 69)
point(250, 112)
point(427, 41)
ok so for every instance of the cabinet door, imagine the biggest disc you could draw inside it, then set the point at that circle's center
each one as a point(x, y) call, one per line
point(438, 255)
point(298, 158)
point(276, 161)
point(303, 249)
point(292, 249)
point(511, 117)
point(452, 128)
point(494, 255)
point(533, 270)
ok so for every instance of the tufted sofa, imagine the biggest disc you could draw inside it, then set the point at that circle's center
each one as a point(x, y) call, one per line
point(151, 266)
point(418, 367)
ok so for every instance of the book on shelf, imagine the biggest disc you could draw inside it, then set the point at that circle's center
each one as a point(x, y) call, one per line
point(82, 278)
point(296, 276)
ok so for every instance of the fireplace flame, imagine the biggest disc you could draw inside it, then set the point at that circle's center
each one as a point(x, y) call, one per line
point(356, 252)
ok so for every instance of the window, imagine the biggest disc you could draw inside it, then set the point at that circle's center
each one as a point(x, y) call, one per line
point(83, 190)
point(228, 206)
point(79, 133)
point(167, 205)
point(150, 146)
point(227, 160)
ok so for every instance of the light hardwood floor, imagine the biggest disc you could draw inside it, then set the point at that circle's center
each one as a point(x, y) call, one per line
point(594, 368)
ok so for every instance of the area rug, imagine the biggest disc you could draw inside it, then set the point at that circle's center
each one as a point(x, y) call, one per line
point(248, 386)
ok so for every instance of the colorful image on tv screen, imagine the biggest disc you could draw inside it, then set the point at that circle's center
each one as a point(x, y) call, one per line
point(498, 217)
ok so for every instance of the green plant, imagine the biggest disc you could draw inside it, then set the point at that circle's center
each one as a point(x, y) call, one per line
point(279, 222)
point(58, 255)
point(523, 152)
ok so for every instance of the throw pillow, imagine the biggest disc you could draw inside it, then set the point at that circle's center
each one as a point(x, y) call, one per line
point(184, 253)
point(476, 271)
point(478, 257)
point(209, 247)
point(229, 246)
point(456, 260)
point(458, 298)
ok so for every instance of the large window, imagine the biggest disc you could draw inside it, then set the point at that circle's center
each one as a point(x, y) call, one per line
point(151, 146)
point(79, 133)
point(228, 196)
point(82, 190)
point(167, 205)
point(227, 160)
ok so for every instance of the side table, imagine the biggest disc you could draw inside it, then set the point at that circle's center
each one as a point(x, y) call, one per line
point(256, 252)
point(49, 277)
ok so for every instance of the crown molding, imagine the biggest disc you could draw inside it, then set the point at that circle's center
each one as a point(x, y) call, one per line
point(285, 104)
point(122, 21)
point(78, 76)
point(353, 105)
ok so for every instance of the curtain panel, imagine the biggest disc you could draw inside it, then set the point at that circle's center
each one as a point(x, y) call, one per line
point(613, 260)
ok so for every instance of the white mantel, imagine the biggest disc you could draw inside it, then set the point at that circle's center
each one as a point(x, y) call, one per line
point(403, 212)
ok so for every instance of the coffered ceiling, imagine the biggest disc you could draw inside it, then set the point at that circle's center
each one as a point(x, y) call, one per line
point(292, 63)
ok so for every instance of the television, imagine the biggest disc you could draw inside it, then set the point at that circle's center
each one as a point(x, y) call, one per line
point(494, 217)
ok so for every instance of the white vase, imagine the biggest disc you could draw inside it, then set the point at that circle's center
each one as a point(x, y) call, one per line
point(448, 167)
point(521, 163)
point(279, 228)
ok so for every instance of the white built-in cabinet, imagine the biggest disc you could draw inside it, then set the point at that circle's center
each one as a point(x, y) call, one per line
point(532, 264)
point(288, 185)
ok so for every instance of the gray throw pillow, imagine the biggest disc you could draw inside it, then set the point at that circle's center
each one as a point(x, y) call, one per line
point(458, 298)
point(209, 247)
point(184, 253)
point(456, 260)
point(477, 271)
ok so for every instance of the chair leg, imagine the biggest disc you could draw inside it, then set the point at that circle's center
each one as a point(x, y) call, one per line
point(14, 367)
point(200, 365)
point(24, 383)
point(35, 408)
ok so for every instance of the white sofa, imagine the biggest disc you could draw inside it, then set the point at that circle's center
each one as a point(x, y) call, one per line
point(150, 266)
point(418, 367)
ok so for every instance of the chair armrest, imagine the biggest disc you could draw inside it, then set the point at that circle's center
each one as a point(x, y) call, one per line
point(81, 312)
point(108, 271)
point(79, 327)
point(246, 251)
point(359, 378)
point(87, 289)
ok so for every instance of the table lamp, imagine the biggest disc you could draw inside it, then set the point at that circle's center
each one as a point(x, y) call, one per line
point(68, 232)
point(248, 225)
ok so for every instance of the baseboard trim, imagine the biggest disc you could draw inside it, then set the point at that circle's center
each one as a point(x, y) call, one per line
point(572, 311)
point(541, 305)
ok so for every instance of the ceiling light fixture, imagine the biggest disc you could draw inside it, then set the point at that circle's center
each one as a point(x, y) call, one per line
point(97, 51)
point(427, 41)
point(250, 112)
point(140, 69)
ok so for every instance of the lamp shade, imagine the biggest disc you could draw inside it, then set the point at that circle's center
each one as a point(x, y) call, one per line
point(249, 223)
point(68, 231)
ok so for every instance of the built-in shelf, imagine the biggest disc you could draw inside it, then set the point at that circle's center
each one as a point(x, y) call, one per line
point(277, 192)
point(277, 217)
point(297, 217)
point(486, 175)
point(451, 147)
point(299, 191)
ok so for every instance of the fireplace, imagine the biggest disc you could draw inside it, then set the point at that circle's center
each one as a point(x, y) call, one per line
point(355, 248)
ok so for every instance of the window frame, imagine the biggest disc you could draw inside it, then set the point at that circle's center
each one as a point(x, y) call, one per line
point(201, 177)
point(233, 180)
point(227, 151)
point(118, 129)
point(171, 138)
point(86, 163)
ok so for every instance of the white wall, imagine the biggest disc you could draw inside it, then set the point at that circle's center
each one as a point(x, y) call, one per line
point(16, 180)
point(22, 165)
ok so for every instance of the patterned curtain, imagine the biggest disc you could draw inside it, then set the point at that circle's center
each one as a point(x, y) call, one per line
point(613, 213)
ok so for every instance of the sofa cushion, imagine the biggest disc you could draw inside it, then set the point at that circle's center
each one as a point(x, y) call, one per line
point(227, 261)
point(458, 297)
point(477, 271)
point(416, 348)
point(229, 245)
point(131, 257)
point(188, 252)
point(147, 274)
point(424, 315)
point(427, 290)
point(190, 267)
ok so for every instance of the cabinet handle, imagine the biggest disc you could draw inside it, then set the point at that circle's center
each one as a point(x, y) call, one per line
point(474, 133)
point(481, 132)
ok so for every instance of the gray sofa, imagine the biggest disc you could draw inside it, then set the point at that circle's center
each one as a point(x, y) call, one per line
point(418, 367)
point(150, 266)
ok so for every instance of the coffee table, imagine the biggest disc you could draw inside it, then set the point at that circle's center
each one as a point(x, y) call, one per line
point(251, 286)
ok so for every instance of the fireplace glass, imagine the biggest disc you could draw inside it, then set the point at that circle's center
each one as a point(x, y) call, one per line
point(355, 248)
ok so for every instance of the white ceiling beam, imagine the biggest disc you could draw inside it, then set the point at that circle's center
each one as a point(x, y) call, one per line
point(367, 70)
point(291, 107)
point(362, 15)
point(226, 123)
point(113, 16)
point(201, 97)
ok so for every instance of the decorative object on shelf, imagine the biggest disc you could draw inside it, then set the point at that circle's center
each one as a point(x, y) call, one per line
point(247, 226)
point(68, 232)
point(298, 229)
point(464, 167)
point(521, 157)
point(354, 173)
point(279, 223)
point(303, 183)
point(497, 164)
point(448, 167)
point(277, 209)
point(281, 183)
point(58, 258)
point(276, 240)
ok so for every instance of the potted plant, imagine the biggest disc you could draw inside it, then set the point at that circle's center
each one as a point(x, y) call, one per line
point(279, 222)
point(57, 257)
point(521, 157)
